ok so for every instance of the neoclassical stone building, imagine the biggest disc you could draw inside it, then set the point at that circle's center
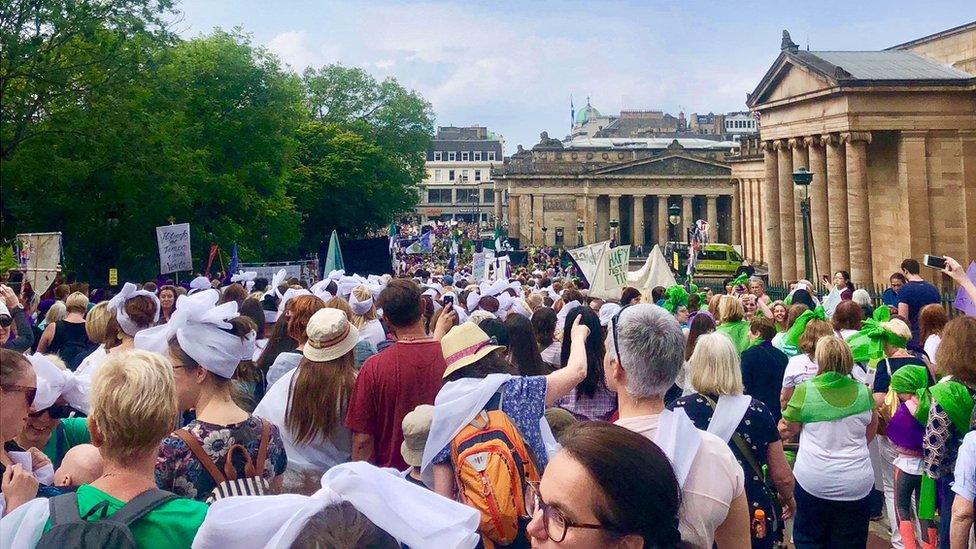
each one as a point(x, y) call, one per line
point(890, 137)
point(557, 187)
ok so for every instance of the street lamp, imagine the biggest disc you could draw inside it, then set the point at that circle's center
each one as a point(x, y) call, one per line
point(802, 178)
point(532, 231)
point(674, 215)
point(544, 229)
point(579, 231)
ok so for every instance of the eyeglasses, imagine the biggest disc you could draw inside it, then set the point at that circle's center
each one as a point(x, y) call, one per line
point(613, 324)
point(554, 521)
point(58, 411)
point(29, 392)
point(6, 321)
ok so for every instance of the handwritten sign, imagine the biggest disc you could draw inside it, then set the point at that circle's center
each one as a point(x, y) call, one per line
point(611, 273)
point(174, 248)
point(618, 260)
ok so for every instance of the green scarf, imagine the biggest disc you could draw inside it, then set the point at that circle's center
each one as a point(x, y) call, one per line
point(828, 397)
point(914, 380)
point(741, 280)
point(955, 399)
point(738, 332)
point(792, 337)
point(869, 343)
point(675, 297)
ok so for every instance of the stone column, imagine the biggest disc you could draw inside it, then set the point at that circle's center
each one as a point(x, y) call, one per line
point(787, 221)
point(738, 214)
point(818, 207)
point(638, 220)
point(514, 218)
point(858, 208)
point(614, 215)
point(499, 191)
point(770, 200)
point(589, 222)
point(800, 159)
point(913, 187)
point(712, 213)
point(687, 216)
point(524, 229)
point(662, 220)
point(538, 215)
point(759, 224)
point(837, 222)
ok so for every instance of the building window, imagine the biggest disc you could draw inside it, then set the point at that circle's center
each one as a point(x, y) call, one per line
point(451, 156)
point(438, 196)
point(477, 156)
point(491, 155)
point(467, 196)
point(450, 175)
point(437, 156)
point(477, 175)
point(464, 156)
point(437, 175)
point(489, 195)
point(464, 176)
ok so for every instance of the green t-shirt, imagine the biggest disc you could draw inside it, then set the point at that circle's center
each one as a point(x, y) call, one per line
point(173, 524)
point(72, 432)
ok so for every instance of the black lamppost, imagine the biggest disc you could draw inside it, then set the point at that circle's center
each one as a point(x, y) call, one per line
point(674, 215)
point(532, 231)
point(579, 231)
point(802, 178)
point(544, 229)
point(613, 231)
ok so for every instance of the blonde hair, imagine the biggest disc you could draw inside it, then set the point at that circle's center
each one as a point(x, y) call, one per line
point(729, 309)
point(134, 403)
point(900, 329)
point(715, 366)
point(814, 330)
point(76, 303)
point(96, 322)
point(362, 293)
point(57, 312)
point(534, 301)
point(834, 355)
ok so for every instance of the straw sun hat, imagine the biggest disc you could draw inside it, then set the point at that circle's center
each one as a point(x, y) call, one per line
point(464, 345)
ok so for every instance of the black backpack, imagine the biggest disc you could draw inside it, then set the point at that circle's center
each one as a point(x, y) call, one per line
point(70, 529)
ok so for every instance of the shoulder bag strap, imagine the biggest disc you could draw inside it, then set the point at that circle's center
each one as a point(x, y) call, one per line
point(200, 454)
point(263, 448)
point(141, 505)
point(64, 509)
point(742, 446)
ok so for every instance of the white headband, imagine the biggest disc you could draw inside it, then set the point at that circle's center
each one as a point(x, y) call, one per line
point(471, 302)
point(200, 329)
point(54, 383)
point(250, 346)
point(117, 305)
point(247, 278)
point(360, 307)
point(276, 280)
point(413, 515)
point(290, 294)
point(199, 283)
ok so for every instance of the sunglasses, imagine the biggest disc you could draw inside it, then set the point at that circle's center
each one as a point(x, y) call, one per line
point(58, 411)
point(6, 321)
point(554, 521)
point(29, 392)
point(613, 325)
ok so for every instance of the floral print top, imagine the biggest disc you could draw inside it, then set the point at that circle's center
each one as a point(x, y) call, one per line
point(179, 471)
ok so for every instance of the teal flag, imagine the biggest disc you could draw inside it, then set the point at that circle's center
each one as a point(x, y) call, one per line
point(333, 258)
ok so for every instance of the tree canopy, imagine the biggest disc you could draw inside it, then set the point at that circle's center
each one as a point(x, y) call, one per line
point(212, 131)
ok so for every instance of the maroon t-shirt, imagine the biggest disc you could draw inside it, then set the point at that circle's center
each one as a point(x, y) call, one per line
point(390, 385)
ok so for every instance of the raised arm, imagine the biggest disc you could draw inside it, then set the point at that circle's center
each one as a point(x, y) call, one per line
point(563, 380)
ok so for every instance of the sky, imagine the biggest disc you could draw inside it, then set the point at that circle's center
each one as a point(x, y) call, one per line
point(515, 66)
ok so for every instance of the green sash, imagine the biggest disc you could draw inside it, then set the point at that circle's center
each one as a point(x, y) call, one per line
point(738, 332)
point(914, 380)
point(828, 397)
point(869, 343)
point(676, 296)
point(792, 337)
point(955, 399)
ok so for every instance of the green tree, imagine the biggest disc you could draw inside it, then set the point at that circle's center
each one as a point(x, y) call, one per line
point(362, 156)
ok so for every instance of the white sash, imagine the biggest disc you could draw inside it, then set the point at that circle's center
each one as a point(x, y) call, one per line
point(729, 411)
point(679, 440)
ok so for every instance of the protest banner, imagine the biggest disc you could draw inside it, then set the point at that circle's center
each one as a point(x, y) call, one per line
point(655, 272)
point(478, 266)
point(174, 248)
point(611, 273)
point(39, 258)
point(586, 258)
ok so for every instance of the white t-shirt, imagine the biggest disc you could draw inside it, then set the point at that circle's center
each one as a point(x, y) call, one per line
point(799, 369)
point(552, 353)
point(833, 461)
point(714, 480)
point(965, 481)
point(931, 346)
point(845, 333)
point(372, 332)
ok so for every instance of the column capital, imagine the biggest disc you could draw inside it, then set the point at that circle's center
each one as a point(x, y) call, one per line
point(714, 196)
point(796, 142)
point(688, 196)
point(830, 139)
point(912, 134)
point(781, 144)
point(812, 141)
point(852, 137)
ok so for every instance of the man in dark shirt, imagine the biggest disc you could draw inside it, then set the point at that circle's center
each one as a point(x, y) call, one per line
point(763, 366)
point(914, 294)
point(395, 381)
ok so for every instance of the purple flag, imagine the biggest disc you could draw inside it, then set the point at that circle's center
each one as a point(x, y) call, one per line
point(963, 302)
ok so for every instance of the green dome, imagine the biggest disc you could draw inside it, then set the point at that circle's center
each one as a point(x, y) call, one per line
point(586, 114)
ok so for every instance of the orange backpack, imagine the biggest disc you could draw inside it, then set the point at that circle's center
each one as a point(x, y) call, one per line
point(492, 464)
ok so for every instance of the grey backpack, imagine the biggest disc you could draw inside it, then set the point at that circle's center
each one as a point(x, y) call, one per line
point(70, 529)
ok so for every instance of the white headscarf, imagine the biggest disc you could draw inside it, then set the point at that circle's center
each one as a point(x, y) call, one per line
point(564, 312)
point(198, 284)
point(117, 306)
point(413, 515)
point(360, 307)
point(54, 383)
point(276, 280)
point(200, 329)
point(247, 278)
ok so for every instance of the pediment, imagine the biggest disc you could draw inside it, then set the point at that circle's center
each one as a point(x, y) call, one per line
point(788, 78)
point(675, 164)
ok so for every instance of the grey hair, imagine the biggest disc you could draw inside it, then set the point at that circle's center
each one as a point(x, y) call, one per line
point(652, 349)
point(861, 297)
